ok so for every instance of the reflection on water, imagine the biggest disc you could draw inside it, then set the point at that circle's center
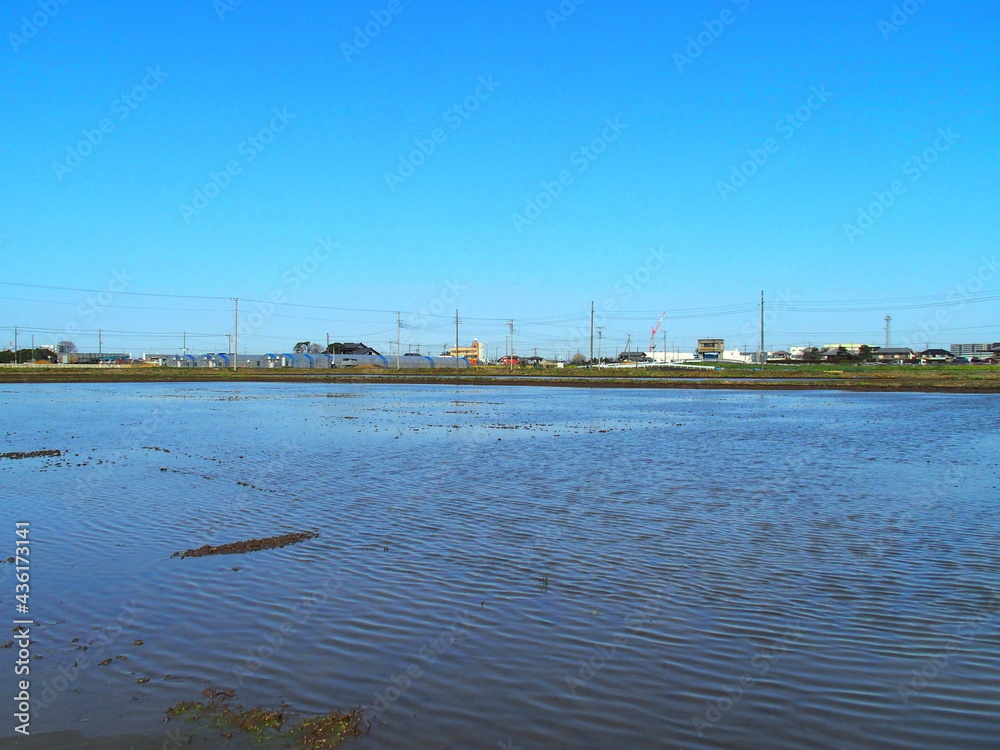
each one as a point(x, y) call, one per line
point(514, 567)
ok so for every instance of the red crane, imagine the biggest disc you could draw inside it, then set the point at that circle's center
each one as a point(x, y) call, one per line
point(652, 335)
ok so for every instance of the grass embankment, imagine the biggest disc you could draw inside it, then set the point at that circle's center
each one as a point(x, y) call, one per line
point(957, 379)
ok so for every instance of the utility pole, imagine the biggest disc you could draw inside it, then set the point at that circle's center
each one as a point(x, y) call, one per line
point(761, 355)
point(511, 360)
point(398, 324)
point(600, 339)
point(328, 343)
point(664, 347)
point(591, 361)
point(184, 342)
point(16, 362)
point(236, 331)
point(100, 345)
point(456, 339)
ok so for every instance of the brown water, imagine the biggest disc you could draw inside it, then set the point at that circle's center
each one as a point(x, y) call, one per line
point(512, 567)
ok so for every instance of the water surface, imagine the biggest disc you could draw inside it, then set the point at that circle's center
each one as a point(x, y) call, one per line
point(519, 567)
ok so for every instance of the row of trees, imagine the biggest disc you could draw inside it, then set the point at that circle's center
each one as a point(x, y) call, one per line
point(864, 354)
point(27, 355)
point(308, 347)
point(38, 354)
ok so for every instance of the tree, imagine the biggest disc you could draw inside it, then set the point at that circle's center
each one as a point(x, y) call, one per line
point(865, 353)
point(315, 348)
point(811, 354)
point(66, 347)
point(27, 355)
point(335, 348)
point(578, 359)
point(301, 348)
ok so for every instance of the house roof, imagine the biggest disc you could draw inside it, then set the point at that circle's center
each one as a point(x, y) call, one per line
point(357, 348)
point(891, 350)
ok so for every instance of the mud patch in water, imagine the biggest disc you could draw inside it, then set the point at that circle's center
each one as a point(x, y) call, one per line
point(250, 545)
point(16, 455)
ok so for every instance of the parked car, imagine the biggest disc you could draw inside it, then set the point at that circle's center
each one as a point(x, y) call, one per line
point(348, 362)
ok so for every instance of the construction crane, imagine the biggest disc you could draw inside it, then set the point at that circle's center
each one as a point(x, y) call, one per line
point(652, 335)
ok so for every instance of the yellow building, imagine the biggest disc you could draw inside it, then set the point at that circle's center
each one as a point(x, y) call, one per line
point(476, 354)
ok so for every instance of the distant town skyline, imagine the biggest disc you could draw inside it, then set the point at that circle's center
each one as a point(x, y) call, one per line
point(333, 165)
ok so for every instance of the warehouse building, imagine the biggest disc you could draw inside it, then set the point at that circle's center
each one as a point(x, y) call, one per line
point(974, 350)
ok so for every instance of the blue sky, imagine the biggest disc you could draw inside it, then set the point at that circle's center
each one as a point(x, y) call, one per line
point(513, 161)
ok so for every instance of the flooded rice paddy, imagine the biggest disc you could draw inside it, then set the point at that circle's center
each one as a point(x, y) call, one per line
point(519, 567)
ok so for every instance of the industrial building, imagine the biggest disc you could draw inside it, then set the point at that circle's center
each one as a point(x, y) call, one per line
point(975, 350)
point(93, 358)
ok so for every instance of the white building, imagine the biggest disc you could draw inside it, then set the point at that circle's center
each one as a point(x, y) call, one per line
point(728, 355)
